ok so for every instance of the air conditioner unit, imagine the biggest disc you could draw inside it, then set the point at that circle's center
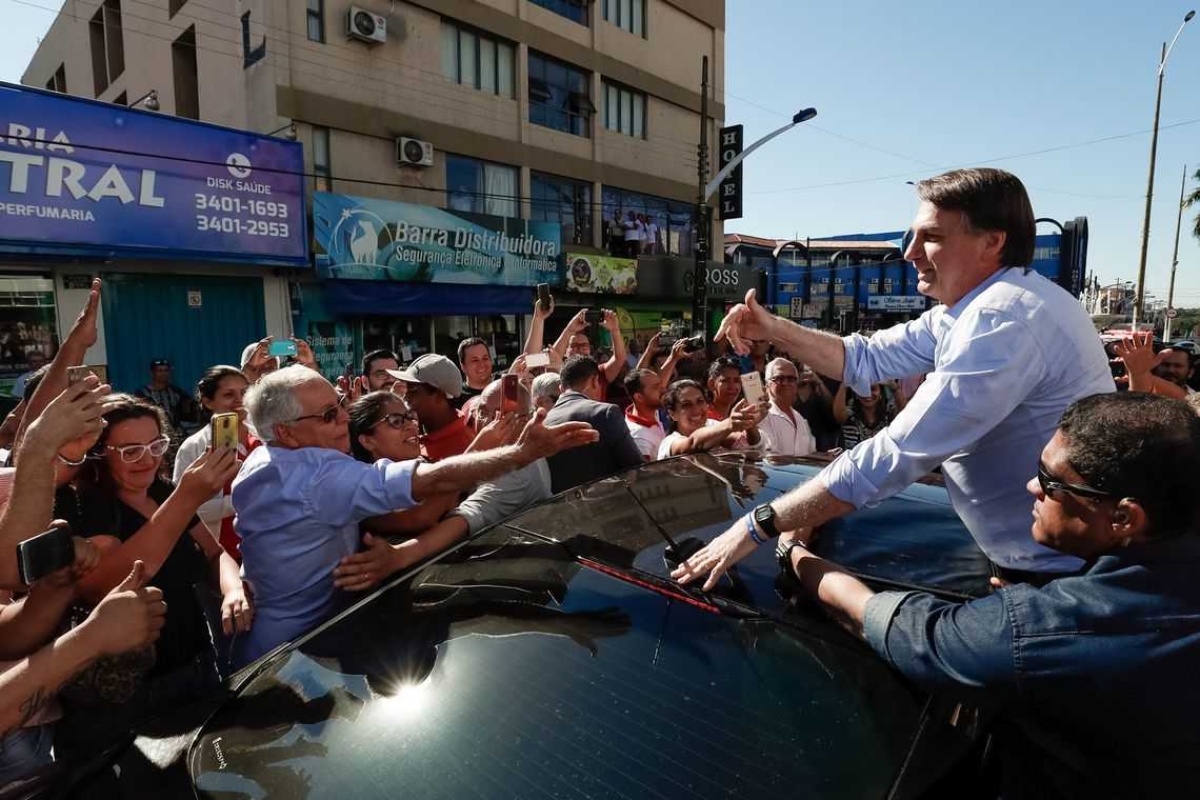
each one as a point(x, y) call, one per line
point(414, 152)
point(366, 26)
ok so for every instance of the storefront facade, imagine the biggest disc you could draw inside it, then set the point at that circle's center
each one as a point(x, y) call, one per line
point(194, 228)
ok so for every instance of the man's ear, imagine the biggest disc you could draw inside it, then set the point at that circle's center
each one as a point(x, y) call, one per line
point(994, 242)
point(283, 435)
point(1130, 523)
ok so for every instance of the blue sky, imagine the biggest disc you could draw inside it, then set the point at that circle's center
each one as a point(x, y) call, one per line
point(928, 84)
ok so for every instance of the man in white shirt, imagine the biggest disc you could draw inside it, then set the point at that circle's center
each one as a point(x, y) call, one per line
point(785, 433)
point(651, 243)
point(1006, 352)
point(633, 236)
point(645, 389)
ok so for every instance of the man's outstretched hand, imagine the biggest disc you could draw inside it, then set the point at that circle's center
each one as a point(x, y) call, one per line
point(716, 557)
point(746, 322)
point(539, 440)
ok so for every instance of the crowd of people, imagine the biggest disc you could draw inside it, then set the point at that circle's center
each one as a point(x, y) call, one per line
point(192, 559)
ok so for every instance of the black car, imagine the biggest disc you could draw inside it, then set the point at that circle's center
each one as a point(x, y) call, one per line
point(552, 656)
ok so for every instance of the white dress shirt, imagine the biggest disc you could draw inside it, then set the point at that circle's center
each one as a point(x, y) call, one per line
point(1004, 363)
point(786, 433)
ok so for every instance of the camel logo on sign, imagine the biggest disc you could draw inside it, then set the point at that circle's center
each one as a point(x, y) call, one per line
point(358, 235)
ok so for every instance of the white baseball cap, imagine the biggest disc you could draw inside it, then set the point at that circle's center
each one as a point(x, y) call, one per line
point(434, 370)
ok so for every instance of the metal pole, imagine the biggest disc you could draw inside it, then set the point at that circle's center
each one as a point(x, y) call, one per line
point(1141, 279)
point(703, 228)
point(1174, 259)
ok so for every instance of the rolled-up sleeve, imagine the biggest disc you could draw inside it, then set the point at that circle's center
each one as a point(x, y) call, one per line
point(939, 644)
point(987, 370)
point(898, 352)
point(344, 490)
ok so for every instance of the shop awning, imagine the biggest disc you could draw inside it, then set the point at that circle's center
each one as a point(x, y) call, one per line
point(353, 298)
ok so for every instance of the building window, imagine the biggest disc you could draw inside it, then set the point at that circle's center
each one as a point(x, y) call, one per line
point(624, 110)
point(187, 81)
point(628, 15)
point(481, 187)
point(316, 21)
point(473, 59)
point(574, 10)
point(322, 174)
point(559, 95)
point(562, 200)
point(27, 329)
point(669, 222)
point(58, 81)
point(108, 48)
point(173, 7)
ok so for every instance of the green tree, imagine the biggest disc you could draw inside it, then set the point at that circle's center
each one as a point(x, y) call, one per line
point(1194, 199)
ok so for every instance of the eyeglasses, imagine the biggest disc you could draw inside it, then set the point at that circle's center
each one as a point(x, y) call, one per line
point(1053, 487)
point(784, 379)
point(327, 416)
point(397, 420)
point(131, 453)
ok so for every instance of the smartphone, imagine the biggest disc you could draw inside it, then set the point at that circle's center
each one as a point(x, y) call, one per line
point(694, 343)
point(76, 374)
point(593, 316)
point(511, 401)
point(45, 553)
point(543, 290)
point(752, 388)
point(225, 430)
point(535, 360)
point(282, 348)
point(666, 342)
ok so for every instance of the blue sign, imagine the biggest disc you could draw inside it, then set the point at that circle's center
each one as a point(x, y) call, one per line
point(79, 175)
point(368, 239)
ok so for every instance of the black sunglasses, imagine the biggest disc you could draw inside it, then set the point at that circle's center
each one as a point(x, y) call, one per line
point(397, 420)
point(1052, 487)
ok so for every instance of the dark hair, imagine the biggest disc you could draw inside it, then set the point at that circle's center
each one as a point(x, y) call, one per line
point(374, 356)
point(633, 381)
point(577, 371)
point(210, 382)
point(723, 363)
point(34, 381)
point(160, 362)
point(991, 200)
point(1141, 446)
point(367, 412)
point(671, 397)
point(122, 408)
point(467, 344)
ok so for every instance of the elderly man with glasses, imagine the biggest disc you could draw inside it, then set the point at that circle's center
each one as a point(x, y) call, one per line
point(299, 499)
point(785, 432)
point(1102, 661)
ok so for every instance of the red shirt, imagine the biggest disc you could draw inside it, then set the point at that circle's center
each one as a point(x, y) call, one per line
point(451, 440)
point(229, 538)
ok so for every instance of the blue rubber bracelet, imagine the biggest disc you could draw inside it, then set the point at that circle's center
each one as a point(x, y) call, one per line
point(753, 531)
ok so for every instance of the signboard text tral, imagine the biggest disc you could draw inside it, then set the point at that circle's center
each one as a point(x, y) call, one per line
point(80, 175)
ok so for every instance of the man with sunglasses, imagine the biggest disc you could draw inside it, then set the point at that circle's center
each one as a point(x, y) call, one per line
point(1103, 661)
point(300, 497)
point(785, 432)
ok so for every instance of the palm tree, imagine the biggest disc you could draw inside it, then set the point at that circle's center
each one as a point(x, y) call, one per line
point(1194, 198)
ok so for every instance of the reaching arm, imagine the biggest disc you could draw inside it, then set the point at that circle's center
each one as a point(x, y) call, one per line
point(416, 519)
point(31, 621)
point(648, 354)
point(537, 328)
point(365, 570)
point(840, 411)
point(678, 353)
point(704, 439)
point(612, 367)
point(577, 324)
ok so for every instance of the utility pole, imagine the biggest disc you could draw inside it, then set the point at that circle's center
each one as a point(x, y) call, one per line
point(1174, 260)
point(703, 217)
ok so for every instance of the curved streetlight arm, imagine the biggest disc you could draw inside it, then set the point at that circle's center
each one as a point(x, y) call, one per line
point(803, 116)
point(1186, 19)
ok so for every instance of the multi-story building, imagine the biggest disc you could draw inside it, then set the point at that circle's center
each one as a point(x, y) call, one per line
point(568, 112)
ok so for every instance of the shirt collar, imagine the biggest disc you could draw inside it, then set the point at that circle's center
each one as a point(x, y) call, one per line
point(956, 309)
point(632, 415)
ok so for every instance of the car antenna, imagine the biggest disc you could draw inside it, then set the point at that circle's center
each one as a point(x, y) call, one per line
point(676, 552)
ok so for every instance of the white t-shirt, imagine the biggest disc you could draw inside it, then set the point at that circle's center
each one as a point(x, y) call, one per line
point(633, 230)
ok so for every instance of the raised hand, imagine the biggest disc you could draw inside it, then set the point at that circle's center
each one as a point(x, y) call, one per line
point(539, 440)
point(304, 354)
point(363, 571)
point(209, 474)
point(1137, 353)
point(129, 617)
point(745, 416)
point(746, 322)
point(715, 558)
point(503, 429)
point(75, 414)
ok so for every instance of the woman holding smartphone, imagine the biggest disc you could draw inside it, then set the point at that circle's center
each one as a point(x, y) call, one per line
point(221, 390)
point(693, 431)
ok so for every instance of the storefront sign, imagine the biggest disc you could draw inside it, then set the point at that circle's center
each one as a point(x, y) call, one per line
point(589, 273)
point(367, 239)
point(78, 175)
point(729, 194)
point(797, 308)
point(671, 277)
point(896, 303)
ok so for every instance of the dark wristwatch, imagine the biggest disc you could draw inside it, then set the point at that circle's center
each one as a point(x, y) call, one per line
point(764, 517)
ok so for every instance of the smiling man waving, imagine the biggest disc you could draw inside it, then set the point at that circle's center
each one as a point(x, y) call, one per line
point(1006, 351)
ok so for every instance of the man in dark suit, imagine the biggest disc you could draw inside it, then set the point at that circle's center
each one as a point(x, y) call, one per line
point(614, 451)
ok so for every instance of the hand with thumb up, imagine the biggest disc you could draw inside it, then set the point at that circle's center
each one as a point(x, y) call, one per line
point(129, 617)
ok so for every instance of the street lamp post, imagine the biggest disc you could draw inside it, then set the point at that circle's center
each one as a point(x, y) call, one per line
point(1162, 64)
point(1174, 260)
point(706, 189)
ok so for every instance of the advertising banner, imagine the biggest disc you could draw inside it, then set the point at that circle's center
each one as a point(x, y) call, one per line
point(589, 273)
point(79, 175)
point(896, 303)
point(361, 238)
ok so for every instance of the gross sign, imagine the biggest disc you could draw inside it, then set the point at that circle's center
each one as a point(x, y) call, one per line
point(78, 175)
point(730, 192)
